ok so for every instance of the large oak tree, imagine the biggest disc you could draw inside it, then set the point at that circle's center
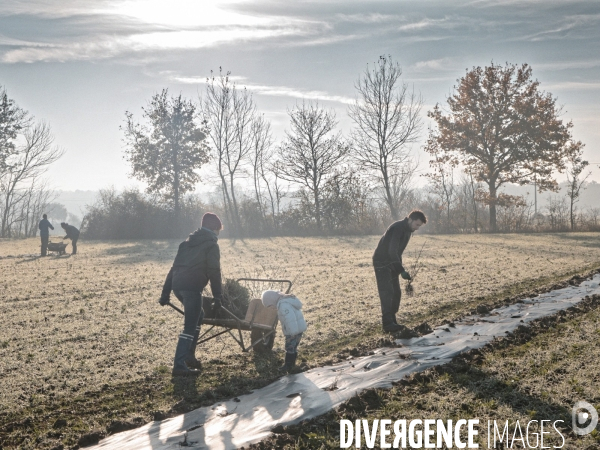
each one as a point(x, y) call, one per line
point(502, 128)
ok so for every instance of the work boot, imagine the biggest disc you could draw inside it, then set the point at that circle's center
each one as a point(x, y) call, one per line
point(185, 372)
point(181, 354)
point(290, 362)
point(191, 360)
point(392, 327)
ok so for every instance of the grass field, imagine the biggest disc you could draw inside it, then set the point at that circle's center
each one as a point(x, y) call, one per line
point(86, 350)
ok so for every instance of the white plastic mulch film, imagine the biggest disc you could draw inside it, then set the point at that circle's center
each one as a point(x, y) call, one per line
point(293, 398)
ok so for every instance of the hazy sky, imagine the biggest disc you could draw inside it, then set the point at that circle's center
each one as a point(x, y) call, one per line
point(80, 64)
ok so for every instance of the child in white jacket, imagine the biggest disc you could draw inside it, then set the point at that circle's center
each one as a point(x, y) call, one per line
point(289, 311)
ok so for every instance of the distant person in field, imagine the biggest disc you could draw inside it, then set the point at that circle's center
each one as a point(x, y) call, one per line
point(72, 233)
point(289, 311)
point(197, 262)
point(45, 226)
point(387, 261)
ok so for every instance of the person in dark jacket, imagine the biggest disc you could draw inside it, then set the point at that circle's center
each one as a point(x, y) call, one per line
point(72, 233)
point(387, 262)
point(45, 226)
point(197, 262)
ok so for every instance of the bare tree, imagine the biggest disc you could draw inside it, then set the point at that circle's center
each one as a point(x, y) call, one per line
point(576, 180)
point(27, 162)
point(386, 116)
point(275, 189)
point(594, 216)
point(469, 189)
point(558, 212)
point(230, 113)
point(262, 142)
point(311, 150)
point(34, 202)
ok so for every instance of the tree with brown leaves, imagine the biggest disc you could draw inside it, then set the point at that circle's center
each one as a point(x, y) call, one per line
point(504, 129)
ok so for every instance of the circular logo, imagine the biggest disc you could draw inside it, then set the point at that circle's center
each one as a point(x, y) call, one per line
point(581, 413)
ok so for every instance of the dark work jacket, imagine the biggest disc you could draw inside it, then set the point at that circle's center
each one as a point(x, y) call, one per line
point(391, 245)
point(72, 232)
point(198, 261)
point(44, 227)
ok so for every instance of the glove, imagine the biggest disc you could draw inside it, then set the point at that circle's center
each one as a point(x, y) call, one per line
point(405, 275)
point(164, 300)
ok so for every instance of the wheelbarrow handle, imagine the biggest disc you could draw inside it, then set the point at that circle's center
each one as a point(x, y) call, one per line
point(270, 281)
point(222, 307)
point(176, 308)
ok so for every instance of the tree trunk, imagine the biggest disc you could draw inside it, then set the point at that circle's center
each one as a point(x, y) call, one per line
point(227, 205)
point(317, 207)
point(572, 216)
point(493, 199)
point(259, 196)
point(177, 225)
point(389, 198)
point(236, 211)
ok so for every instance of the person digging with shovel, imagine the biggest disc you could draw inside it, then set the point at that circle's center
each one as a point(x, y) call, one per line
point(197, 262)
point(387, 262)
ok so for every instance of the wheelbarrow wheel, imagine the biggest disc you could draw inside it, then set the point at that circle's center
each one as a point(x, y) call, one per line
point(266, 343)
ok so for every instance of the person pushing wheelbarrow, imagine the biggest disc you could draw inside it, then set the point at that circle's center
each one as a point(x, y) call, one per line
point(197, 262)
point(72, 233)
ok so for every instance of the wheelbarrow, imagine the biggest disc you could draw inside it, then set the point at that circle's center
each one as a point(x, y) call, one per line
point(58, 247)
point(260, 321)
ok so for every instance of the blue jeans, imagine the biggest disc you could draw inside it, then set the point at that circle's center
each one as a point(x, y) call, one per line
point(192, 307)
point(192, 319)
point(291, 343)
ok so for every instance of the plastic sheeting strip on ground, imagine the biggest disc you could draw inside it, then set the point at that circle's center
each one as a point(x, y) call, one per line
point(291, 399)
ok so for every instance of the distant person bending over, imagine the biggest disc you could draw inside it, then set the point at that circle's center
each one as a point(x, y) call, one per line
point(45, 226)
point(292, 323)
point(387, 261)
point(72, 233)
point(197, 262)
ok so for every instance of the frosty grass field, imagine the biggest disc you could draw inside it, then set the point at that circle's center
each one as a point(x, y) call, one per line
point(85, 349)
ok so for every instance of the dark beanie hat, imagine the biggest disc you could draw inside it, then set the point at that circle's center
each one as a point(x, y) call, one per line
point(212, 221)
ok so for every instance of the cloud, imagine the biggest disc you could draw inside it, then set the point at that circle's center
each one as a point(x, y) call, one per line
point(78, 30)
point(568, 65)
point(425, 23)
point(579, 26)
point(109, 46)
point(51, 8)
point(435, 65)
point(273, 91)
point(370, 18)
point(573, 85)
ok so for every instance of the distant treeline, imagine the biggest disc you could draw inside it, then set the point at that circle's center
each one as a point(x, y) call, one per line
point(346, 211)
point(498, 128)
